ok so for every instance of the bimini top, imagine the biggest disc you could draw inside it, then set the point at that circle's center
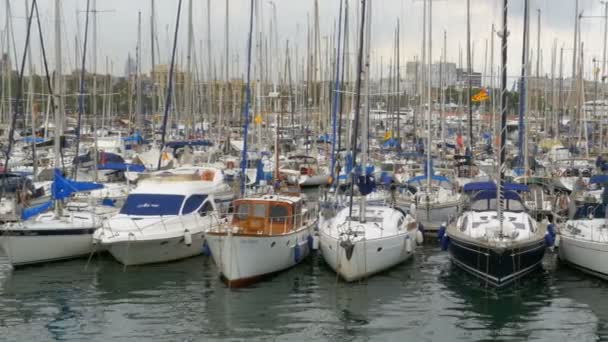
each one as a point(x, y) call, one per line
point(491, 186)
point(439, 180)
point(598, 179)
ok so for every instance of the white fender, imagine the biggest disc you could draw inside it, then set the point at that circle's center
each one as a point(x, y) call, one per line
point(187, 237)
point(315, 242)
point(419, 237)
point(408, 245)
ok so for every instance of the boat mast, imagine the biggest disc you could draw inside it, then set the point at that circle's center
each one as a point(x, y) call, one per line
point(58, 88)
point(81, 87)
point(470, 75)
point(503, 113)
point(31, 105)
point(170, 85)
point(336, 97)
point(246, 118)
point(522, 89)
point(357, 105)
point(442, 84)
point(429, 97)
point(188, 91)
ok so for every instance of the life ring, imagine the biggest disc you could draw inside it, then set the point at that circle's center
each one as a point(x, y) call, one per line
point(208, 175)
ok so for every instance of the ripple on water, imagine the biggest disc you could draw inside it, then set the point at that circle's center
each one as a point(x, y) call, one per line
point(426, 299)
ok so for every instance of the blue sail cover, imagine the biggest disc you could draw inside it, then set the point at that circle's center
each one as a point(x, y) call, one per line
point(491, 194)
point(63, 188)
point(422, 179)
point(180, 144)
point(390, 143)
point(33, 211)
point(491, 186)
point(325, 138)
point(136, 138)
point(366, 184)
point(121, 167)
point(30, 140)
point(598, 179)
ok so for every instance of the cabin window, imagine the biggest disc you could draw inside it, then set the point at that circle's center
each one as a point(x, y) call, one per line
point(242, 211)
point(464, 224)
point(152, 205)
point(278, 213)
point(206, 209)
point(532, 229)
point(192, 203)
point(259, 210)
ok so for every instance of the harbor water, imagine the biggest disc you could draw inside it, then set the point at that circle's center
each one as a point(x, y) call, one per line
point(426, 299)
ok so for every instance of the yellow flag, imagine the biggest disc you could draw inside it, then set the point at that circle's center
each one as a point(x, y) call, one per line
point(258, 119)
point(388, 135)
point(481, 96)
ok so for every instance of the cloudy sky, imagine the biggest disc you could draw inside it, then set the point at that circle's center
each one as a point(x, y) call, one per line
point(117, 28)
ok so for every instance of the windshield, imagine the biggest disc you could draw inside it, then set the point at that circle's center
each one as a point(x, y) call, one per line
point(152, 205)
point(491, 205)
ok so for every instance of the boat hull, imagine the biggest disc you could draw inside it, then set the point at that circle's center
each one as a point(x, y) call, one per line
point(246, 259)
point(587, 256)
point(368, 256)
point(151, 251)
point(34, 247)
point(497, 266)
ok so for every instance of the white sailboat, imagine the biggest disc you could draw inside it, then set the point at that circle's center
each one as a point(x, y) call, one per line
point(359, 242)
point(583, 241)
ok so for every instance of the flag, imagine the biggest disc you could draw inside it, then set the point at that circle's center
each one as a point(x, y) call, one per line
point(481, 96)
point(258, 119)
point(388, 135)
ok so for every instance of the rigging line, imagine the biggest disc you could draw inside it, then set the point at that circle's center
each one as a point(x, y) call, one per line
point(11, 138)
point(81, 87)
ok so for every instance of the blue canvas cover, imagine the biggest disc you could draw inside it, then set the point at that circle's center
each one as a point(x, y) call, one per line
point(63, 188)
point(152, 205)
point(121, 167)
point(33, 211)
point(491, 186)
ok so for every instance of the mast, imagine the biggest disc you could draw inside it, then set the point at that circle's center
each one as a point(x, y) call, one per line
point(429, 98)
point(170, 84)
point(82, 84)
point(522, 88)
point(443, 84)
point(492, 84)
point(94, 94)
point(469, 72)
point(247, 101)
point(398, 90)
point(138, 85)
point(30, 101)
point(503, 112)
point(209, 67)
point(188, 91)
point(421, 71)
point(153, 56)
point(58, 88)
point(357, 103)
point(336, 98)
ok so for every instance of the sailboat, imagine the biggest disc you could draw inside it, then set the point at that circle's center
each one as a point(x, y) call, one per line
point(359, 242)
point(583, 239)
point(494, 238)
point(48, 235)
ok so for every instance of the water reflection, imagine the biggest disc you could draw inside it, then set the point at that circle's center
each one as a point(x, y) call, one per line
point(425, 299)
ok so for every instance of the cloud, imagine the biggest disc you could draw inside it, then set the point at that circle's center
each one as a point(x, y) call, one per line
point(117, 28)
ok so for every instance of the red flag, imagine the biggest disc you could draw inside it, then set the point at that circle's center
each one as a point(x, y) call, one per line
point(459, 141)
